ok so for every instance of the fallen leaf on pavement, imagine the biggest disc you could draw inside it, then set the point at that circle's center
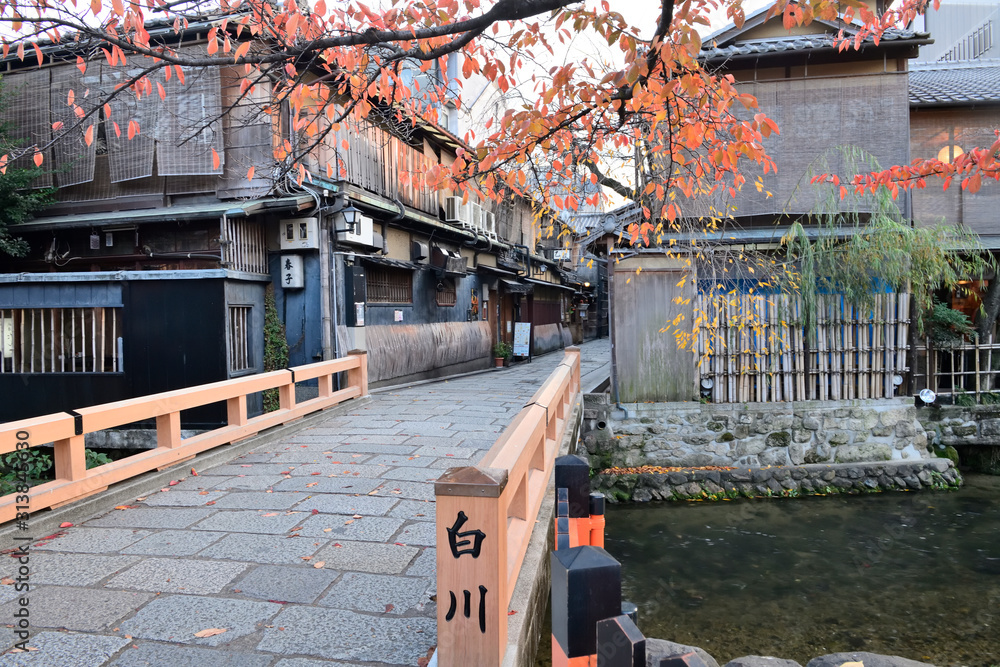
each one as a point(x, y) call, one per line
point(318, 565)
point(193, 473)
point(315, 511)
point(210, 632)
point(172, 483)
point(7, 581)
point(65, 524)
point(389, 607)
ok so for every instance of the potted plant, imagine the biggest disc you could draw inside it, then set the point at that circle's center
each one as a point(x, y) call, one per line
point(502, 351)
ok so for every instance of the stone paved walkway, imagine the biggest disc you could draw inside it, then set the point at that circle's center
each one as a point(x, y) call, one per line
point(317, 550)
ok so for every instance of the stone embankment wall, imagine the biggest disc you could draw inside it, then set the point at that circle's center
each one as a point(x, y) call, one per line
point(970, 434)
point(752, 435)
point(645, 484)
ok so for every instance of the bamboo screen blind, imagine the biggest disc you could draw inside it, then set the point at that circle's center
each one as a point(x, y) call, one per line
point(943, 133)
point(753, 348)
point(816, 117)
point(181, 130)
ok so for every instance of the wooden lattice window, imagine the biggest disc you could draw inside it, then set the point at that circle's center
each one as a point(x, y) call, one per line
point(389, 285)
point(446, 293)
point(60, 340)
point(240, 338)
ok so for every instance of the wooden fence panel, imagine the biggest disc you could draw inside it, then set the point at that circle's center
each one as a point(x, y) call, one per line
point(754, 348)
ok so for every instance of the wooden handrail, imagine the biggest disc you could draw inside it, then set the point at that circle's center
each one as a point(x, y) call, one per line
point(485, 517)
point(66, 431)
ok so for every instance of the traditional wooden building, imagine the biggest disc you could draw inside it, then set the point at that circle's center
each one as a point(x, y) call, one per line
point(150, 271)
point(828, 104)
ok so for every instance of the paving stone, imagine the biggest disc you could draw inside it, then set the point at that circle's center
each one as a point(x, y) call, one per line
point(425, 565)
point(394, 460)
point(175, 498)
point(93, 540)
point(254, 483)
point(412, 490)
point(446, 451)
point(410, 474)
point(152, 654)
point(416, 510)
point(307, 662)
point(178, 575)
point(176, 618)
point(419, 534)
point(366, 557)
point(445, 464)
point(374, 448)
point(250, 469)
point(346, 527)
point(379, 593)
point(348, 468)
point(346, 484)
point(174, 543)
point(284, 583)
point(259, 500)
point(81, 609)
point(374, 439)
point(72, 569)
point(354, 425)
point(248, 521)
point(7, 640)
point(149, 517)
point(352, 470)
point(8, 593)
point(300, 456)
point(334, 504)
point(399, 641)
point(436, 429)
point(64, 649)
point(264, 548)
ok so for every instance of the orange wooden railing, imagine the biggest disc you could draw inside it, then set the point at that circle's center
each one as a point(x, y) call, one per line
point(485, 516)
point(66, 431)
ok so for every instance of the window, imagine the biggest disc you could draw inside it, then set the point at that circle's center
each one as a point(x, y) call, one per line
point(389, 285)
point(446, 294)
point(240, 340)
point(60, 340)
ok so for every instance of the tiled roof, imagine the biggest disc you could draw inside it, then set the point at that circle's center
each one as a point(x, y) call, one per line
point(955, 83)
point(802, 43)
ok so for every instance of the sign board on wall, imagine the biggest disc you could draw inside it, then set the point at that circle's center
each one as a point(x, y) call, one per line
point(292, 276)
point(522, 339)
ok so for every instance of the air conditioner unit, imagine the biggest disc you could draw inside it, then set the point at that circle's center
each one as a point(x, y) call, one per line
point(562, 254)
point(298, 234)
point(362, 234)
point(455, 210)
point(476, 217)
point(490, 225)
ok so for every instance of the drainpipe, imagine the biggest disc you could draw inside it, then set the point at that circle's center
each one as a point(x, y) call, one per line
point(328, 294)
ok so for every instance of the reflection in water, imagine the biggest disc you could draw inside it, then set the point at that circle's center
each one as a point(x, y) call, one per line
point(910, 574)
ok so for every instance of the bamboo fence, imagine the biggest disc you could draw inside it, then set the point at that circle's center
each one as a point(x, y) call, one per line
point(753, 348)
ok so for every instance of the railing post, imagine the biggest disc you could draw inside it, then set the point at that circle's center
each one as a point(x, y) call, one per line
point(286, 395)
point(71, 459)
point(358, 377)
point(168, 430)
point(236, 410)
point(472, 595)
point(573, 352)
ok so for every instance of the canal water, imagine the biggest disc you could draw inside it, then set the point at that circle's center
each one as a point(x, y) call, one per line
point(910, 574)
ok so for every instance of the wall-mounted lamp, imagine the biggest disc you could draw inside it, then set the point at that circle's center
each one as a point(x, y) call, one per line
point(927, 396)
point(586, 284)
point(347, 219)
